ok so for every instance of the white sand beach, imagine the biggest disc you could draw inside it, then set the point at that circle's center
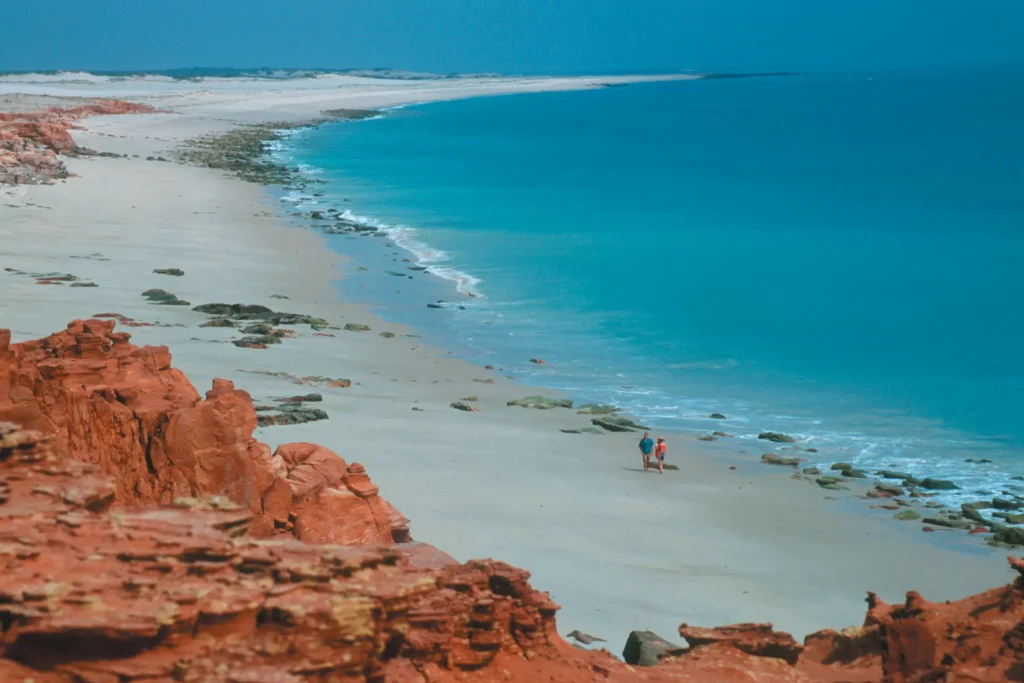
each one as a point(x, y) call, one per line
point(618, 549)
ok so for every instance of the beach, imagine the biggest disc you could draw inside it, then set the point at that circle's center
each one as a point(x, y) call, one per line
point(619, 550)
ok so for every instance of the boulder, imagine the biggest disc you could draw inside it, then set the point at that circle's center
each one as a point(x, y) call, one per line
point(812, 470)
point(938, 484)
point(840, 466)
point(717, 416)
point(776, 459)
point(356, 327)
point(892, 474)
point(1004, 504)
point(645, 648)
point(541, 402)
point(616, 423)
point(890, 490)
point(169, 271)
point(907, 515)
point(461, 405)
point(776, 437)
point(162, 297)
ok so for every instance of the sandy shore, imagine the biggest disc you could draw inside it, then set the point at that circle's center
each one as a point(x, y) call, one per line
point(617, 549)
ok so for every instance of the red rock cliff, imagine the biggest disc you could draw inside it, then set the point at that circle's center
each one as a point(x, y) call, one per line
point(31, 141)
point(102, 400)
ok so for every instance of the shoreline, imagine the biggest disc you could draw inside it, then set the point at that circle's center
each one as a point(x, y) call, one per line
point(500, 482)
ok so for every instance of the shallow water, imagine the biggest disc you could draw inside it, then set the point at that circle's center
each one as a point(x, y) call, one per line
point(836, 257)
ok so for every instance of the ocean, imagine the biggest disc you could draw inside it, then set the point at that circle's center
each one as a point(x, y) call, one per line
point(833, 256)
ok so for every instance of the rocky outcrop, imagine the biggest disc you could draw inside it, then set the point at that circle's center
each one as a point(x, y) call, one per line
point(145, 535)
point(31, 142)
point(102, 400)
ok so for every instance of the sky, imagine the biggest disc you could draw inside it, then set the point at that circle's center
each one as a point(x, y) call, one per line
point(511, 36)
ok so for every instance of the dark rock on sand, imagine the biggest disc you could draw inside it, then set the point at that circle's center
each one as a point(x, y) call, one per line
point(890, 489)
point(460, 405)
point(854, 474)
point(907, 515)
point(305, 398)
point(706, 437)
point(159, 296)
point(950, 523)
point(776, 459)
point(291, 415)
point(892, 474)
point(830, 483)
point(256, 341)
point(776, 437)
point(217, 322)
point(717, 416)
point(84, 284)
point(615, 423)
point(585, 638)
point(357, 327)
point(645, 648)
point(938, 484)
point(582, 430)
point(812, 470)
point(256, 312)
point(970, 512)
point(169, 271)
point(387, 335)
point(541, 402)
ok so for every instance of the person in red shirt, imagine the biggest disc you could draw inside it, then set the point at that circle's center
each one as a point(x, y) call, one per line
point(660, 451)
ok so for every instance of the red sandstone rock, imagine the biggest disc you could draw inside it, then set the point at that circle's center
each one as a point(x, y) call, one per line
point(99, 582)
point(123, 408)
point(30, 141)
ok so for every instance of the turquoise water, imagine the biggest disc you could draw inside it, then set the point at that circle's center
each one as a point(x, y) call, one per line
point(836, 257)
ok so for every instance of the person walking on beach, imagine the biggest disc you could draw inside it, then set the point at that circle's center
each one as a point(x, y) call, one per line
point(660, 451)
point(646, 448)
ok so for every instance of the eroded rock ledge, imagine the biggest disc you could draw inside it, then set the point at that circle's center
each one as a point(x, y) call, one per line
point(146, 536)
point(30, 142)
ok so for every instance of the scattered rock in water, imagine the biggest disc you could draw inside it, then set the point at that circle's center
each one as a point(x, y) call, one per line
point(776, 459)
point(460, 405)
point(537, 361)
point(434, 306)
point(169, 271)
point(387, 335)
point(938, 484)
point(1009, 517)
point(595, 408)
point(812, 470)
point(970, 512)
point(541, 402)
point(776, 437)
point(706, 437)
point(585, 638)
point(256, 341)
point(162, 297)
point(811, 450)
point(893, 474)
point(1003, 504)
point(645, 648)
point(723, 435)
point(616, 423)
point(217, 322)
point(717, 416)
point(854, 474)
point(907, 515)
point(357, 327)
point(841, 466)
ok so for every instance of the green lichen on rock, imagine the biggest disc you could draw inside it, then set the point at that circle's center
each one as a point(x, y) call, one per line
point(907, 515)
point(357, 327)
